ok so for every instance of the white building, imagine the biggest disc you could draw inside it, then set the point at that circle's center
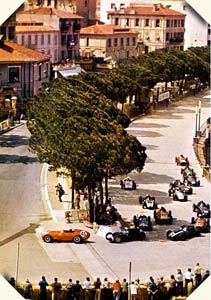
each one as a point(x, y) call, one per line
point(196, 28)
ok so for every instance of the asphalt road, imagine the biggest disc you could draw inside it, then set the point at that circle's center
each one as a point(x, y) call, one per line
point(166, 133)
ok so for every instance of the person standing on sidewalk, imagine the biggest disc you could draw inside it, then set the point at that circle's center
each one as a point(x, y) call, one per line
point(43, 288)
point(59, 191)
point(198, 275)
point(69, 289)
point(97, 286)
point(56, 289)
point(27, 289)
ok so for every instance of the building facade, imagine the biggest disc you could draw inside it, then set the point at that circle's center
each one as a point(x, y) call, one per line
point(158, 26)
point(57, 27)
point(109, 42)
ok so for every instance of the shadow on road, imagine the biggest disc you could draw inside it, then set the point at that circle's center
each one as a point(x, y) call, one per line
point(13, 141)
point(14, 159)
point(30, 229)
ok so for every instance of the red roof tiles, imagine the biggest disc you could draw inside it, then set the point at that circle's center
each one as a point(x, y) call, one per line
point(51, 11)
point(14, 53)
point(103, 29)
point(36, 28)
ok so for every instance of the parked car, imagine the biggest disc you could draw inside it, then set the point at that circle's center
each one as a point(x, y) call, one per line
point(188, 190)
point(143, 222)
point(182, 160)
point(128, 184)
point(148, 202)
point(68, 235)
point(201, 208)
point(179, 195)
point(201, 223)
point(183, 233)
point(126, 235)
point(162, 216)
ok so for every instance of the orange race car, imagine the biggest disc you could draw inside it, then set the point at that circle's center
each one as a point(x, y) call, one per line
point(68, 235)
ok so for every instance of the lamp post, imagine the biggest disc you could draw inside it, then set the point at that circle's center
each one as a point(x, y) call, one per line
point(199, 111)
point(196, 121)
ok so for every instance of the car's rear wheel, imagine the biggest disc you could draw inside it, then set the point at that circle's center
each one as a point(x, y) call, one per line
point(48, 238)
point(109, 236)
point(117, 239)
point(77, 239)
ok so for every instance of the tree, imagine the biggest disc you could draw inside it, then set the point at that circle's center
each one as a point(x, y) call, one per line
point(77, 129)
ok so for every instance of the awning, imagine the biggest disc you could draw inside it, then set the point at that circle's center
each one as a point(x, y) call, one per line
point(72, 71)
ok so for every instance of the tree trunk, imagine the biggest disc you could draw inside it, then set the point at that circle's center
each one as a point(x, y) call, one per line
point(73, 189)
point(91, 205)
point(106, 188)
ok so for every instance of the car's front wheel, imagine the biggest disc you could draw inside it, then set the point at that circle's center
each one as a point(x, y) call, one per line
point(48, 238)
point(77, 239)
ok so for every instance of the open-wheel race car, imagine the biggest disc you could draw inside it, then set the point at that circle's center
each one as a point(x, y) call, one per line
point(68, 235)
point(201, 223)
point(126, 235)
point(188, 190)
point(189, 177)
point(182, 160)
point(148, 202)
point(142, 222)
point(201, 208)
point(162, 216)
point(128, 184)
point(179, 195)
point(183, 233)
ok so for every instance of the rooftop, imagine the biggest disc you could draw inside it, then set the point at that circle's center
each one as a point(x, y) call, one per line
point(14, 53)
point(35, 28)
point(104, 29)
point(51, 11)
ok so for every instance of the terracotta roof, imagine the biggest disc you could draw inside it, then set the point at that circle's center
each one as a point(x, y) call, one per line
point(104, 29)
point(35, 28)
point(14, 53)
point(51, 11)
point(147, 11)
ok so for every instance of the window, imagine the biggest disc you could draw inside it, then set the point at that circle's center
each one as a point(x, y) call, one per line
point(147, 22)
point(109, 42)
point(39, 71)
point(167, 36)
point(116, 21)
point(127, 22)
point(63, 39)
point(14, 74)
point(134, 41)
point(137, 22)
point(157, 23)
point(29, 39)
point(183, 23)
point(35, 39)
point(167, 23)
point(87, 42)
point(128, 41)
point(115, 42)
point(122, 42)
point(55, 40)
point(42, 39)
point(11, 32)
point(175, 23)
point(49, 39)
point(113, 5)
point(49, 2)
point(22, 39)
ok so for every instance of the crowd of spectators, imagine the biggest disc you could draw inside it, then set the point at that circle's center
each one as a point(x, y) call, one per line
point(180, 284)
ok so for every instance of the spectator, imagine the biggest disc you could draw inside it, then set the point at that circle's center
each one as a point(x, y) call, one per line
point(106, 289)
point(59, 191)
point(172, 287)
point(97, 286)
point(179, 280)
point(56, 289)
point(116, 290)
point(43, 288)
point(133, 290)
point(188, 279)
point(87, 287)
point(153, 290)
point(124, 289)
point(69, 289)
point(27, 289)
point(198, 274)
point(77, 290)
point(206, 275)
point(12, 282)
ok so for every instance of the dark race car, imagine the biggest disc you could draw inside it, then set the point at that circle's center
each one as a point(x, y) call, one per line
point(126, 235)
point(183, 233)
point(143, 222)
point(162, 216)
point(201, 208)
point(201, 223)
point(128, 184)
point(182, 160)
point(188, 190)
point(179, 195)
point(187, 171)
point(148, 202)
point(191, 180)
